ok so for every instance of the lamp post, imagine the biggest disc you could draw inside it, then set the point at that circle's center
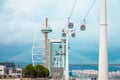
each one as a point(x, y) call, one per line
point(103, 54)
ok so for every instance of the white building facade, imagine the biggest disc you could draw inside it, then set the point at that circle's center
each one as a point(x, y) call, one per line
point(2, 70)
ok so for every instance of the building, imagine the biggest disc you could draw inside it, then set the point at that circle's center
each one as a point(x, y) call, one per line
point(2, 71)
point(92, 75)
point(57, 58)
point(14, 72)
point(7, 69)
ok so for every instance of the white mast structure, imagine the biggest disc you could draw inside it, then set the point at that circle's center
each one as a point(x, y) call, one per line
point(103, 54)
point(67, 59)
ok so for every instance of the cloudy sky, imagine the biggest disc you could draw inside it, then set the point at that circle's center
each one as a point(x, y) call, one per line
point(20, 20)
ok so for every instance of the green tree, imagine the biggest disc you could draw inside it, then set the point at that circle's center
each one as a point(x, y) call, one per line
point(39, 70)
point(29, 71)
point(45, 72)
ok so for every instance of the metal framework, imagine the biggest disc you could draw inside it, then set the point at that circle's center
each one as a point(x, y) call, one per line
point(38, 53)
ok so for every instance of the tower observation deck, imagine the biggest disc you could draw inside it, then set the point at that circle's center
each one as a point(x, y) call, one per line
point(45, 30)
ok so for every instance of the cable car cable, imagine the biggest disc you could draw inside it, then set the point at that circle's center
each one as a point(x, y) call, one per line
point(90, 8)
point(72, 9)
point(84, 19)
point(69, 17)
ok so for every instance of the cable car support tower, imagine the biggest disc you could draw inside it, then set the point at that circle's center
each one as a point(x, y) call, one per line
point(103, 53)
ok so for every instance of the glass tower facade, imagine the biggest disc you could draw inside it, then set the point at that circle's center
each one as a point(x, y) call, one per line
point(57, 57)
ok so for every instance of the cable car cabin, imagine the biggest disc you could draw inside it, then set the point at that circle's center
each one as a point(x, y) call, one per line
point(82, 27)
point(63, 34)
point(73, 34)
point(70, 25)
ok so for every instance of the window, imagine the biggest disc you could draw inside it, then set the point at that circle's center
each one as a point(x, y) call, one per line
point(19, 71)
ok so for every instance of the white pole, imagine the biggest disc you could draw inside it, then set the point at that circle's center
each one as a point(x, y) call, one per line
point(63, 54)
point(63, 58)
point(103, 54)
point(67, 57)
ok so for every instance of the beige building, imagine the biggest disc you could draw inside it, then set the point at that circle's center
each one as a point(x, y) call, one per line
point(2, 71)
point(10, 72)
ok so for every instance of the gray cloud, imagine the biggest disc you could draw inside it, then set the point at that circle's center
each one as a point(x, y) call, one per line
point(21, 19)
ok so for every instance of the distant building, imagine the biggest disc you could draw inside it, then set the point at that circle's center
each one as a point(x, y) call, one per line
point(14, 72)
point(8, 69)
point(92, 75)
point(57, 58)
point(8, 64)
point(2, 71)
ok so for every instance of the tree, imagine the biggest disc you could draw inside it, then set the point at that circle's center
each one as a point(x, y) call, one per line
point(45, 72)
point(39, 70)
point(29, 71)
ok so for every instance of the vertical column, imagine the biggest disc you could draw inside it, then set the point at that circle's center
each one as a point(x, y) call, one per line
point(46, 46)
point(103, 54)
point(67, 59)
point(63, 54)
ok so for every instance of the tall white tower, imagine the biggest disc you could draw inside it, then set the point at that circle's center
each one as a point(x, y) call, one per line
point(103, 54)
point(47, 30)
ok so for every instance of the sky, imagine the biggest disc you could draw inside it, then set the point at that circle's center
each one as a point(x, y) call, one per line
point(20, 20)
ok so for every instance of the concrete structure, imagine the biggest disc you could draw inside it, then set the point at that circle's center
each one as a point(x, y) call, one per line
point(40, 49)
point(14, 72)
point(67, 58)
point(103, 54)
point(7, 71)
point(65, 34)
point(46, 30)
point(2, 71)
point(57, 58)
point(92, 75)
